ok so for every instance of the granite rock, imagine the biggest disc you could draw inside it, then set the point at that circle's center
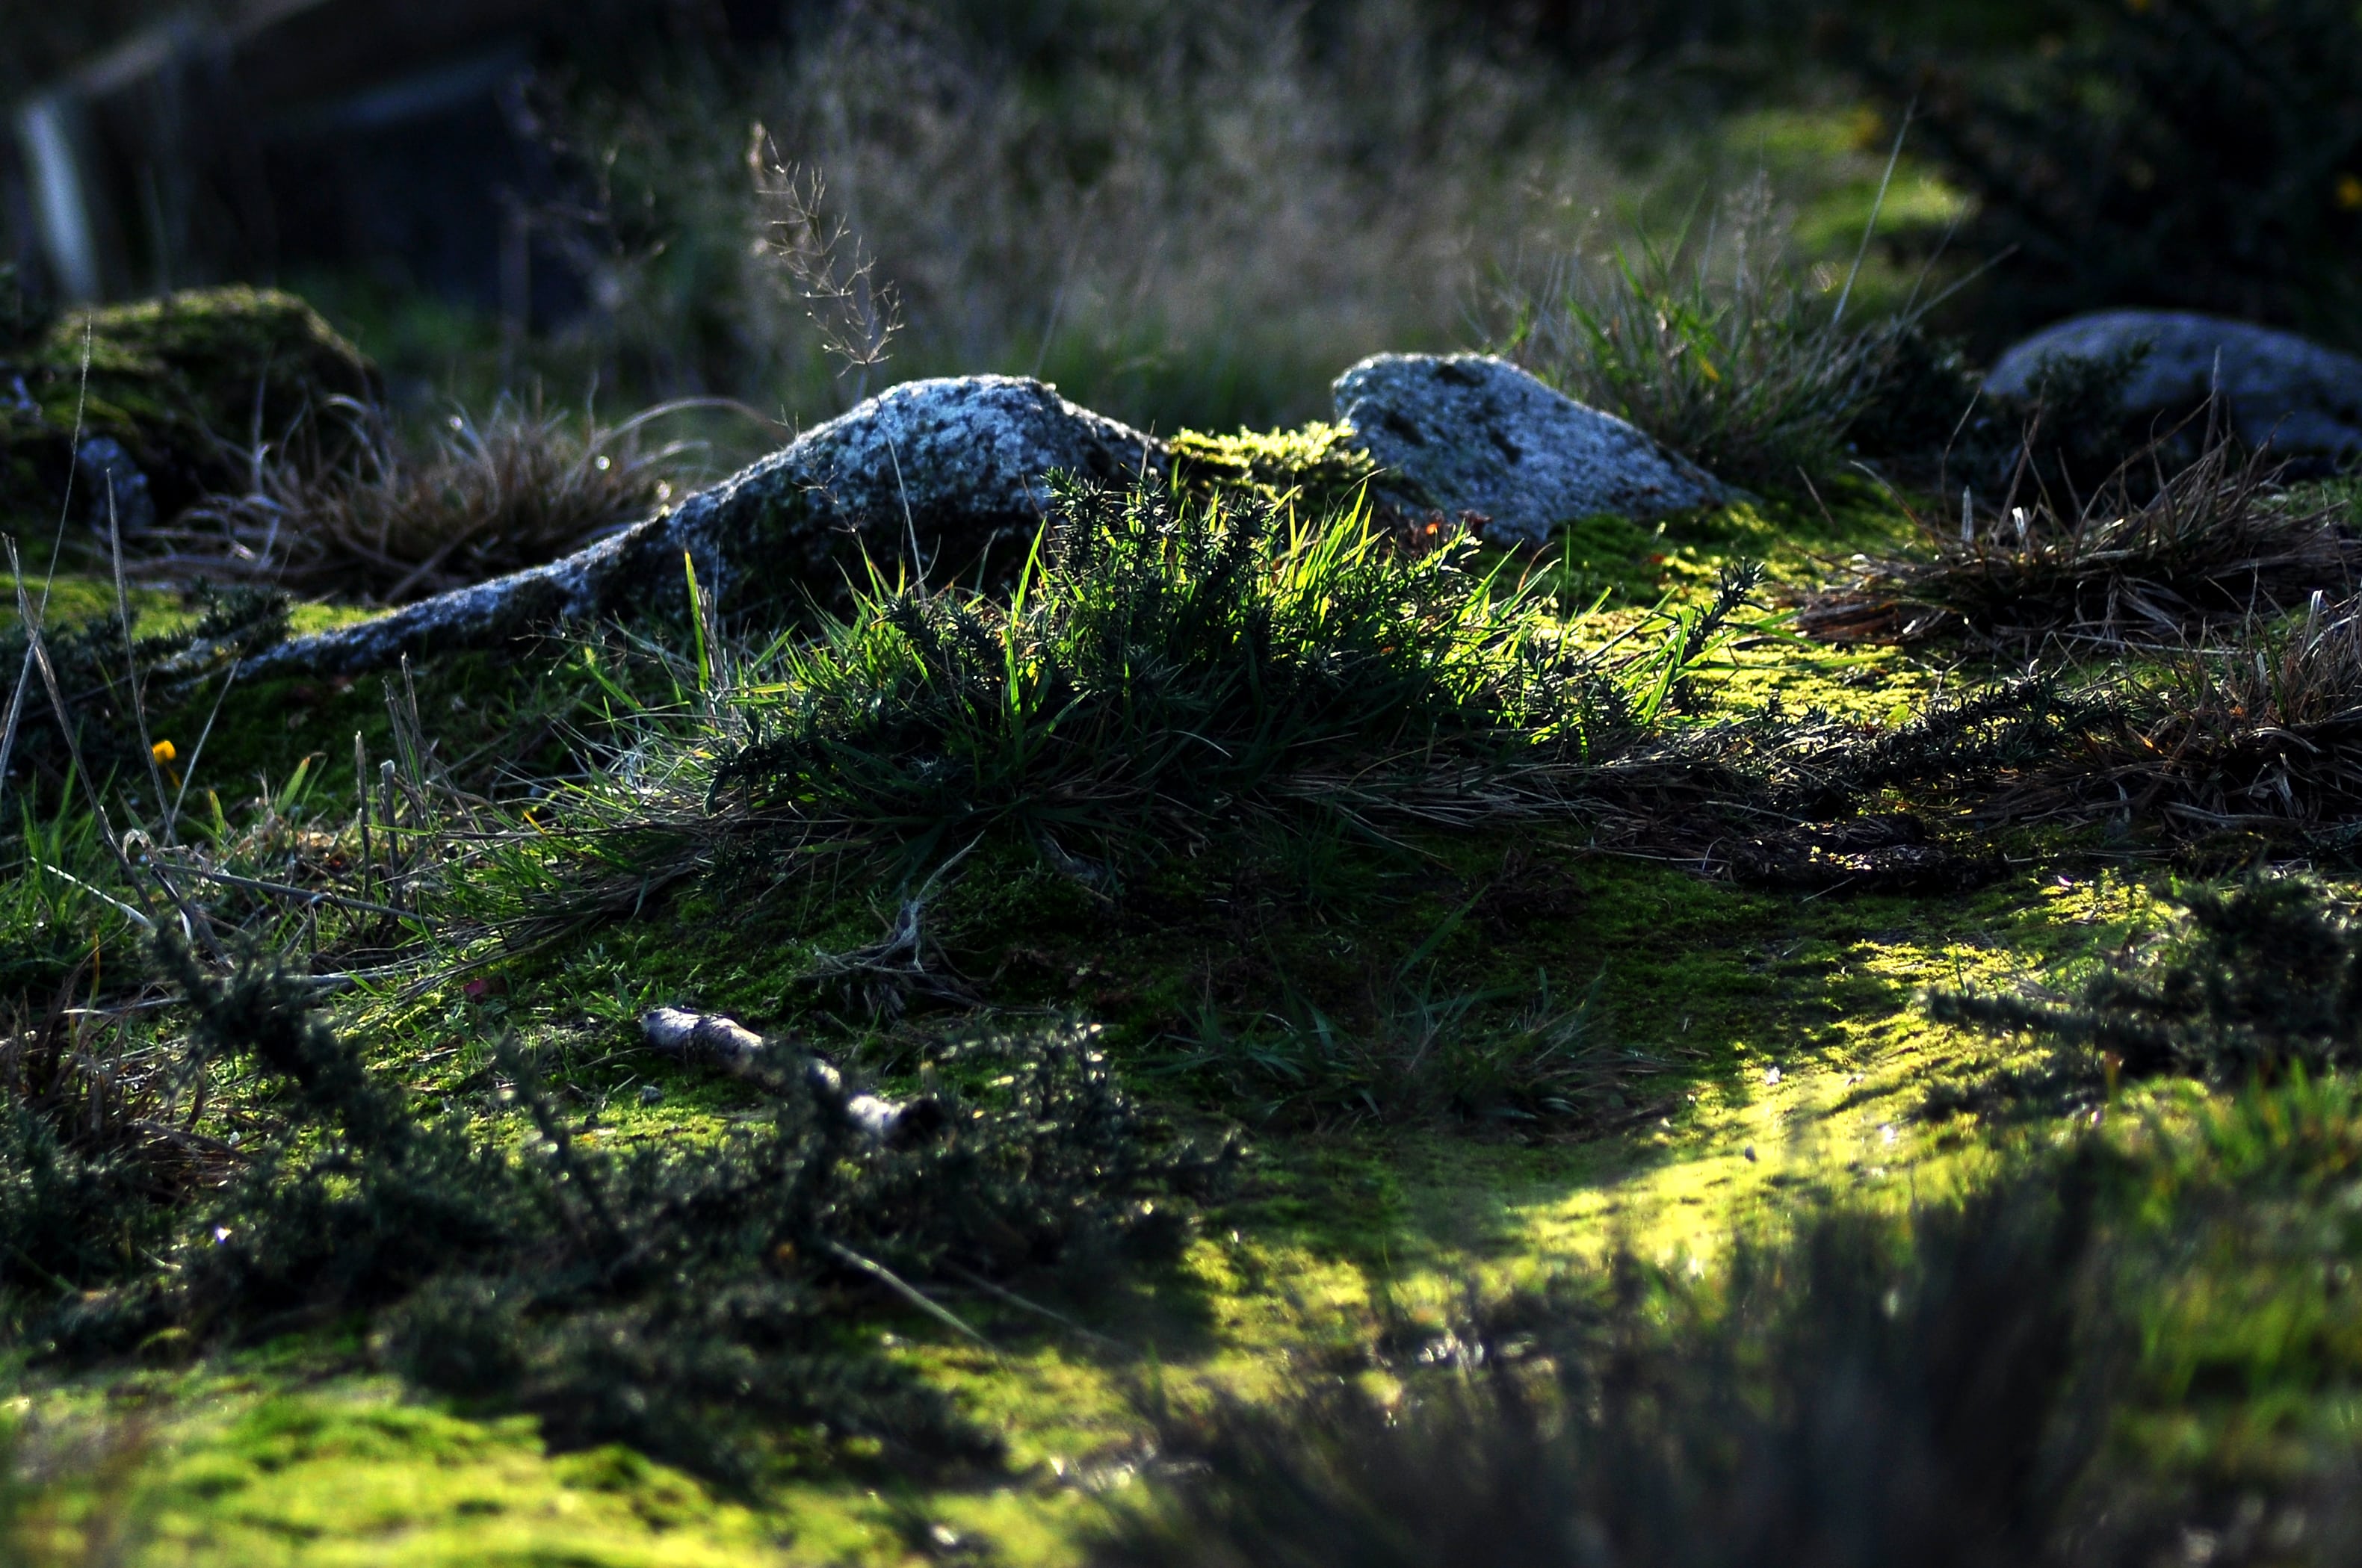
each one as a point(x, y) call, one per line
point(1468, 433)
point(957, 468)
point(2282, 390)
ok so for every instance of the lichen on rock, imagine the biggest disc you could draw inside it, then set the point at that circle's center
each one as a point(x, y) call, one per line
point(956, 466)
point(1469, 434)
point(947, 479)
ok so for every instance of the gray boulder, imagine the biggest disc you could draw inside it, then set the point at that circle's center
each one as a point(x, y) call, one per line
point(2283, 390)
point(956, 467)
point(1467, 432)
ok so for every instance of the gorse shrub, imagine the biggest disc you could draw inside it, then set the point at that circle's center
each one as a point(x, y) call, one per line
point(1845, 1401)
point(85, 1177)
point(2263, 979)
point(659, 1297)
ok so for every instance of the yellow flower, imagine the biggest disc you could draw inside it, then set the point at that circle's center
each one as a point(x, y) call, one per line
point(2349, 192)
point(163, 753)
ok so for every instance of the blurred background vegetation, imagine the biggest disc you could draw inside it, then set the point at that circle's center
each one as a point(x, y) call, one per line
point(1197, 215)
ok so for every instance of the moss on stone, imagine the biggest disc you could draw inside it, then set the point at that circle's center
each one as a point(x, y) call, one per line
point(1318, 466)
point(186, 382)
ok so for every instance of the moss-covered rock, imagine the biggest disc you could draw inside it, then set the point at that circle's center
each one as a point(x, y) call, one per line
point(185, 383)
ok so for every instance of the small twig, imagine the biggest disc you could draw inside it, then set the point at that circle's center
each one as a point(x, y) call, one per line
point(315, 894)
point(393, 868)
point(1014, 1299)
point(145, 922)
point(194, 923)
point(185, 1138)
point(361, 788)
point(904, 1289)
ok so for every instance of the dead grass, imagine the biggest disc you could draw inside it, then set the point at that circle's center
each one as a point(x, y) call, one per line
point(391, 523)
point(2219, 542)
point(2262, 733)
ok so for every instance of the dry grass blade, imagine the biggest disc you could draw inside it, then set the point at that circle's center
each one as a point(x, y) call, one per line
point(388, 525)
point(825, 266)
point(2220, 540)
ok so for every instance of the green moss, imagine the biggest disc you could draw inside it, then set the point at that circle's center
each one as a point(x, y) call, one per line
point(75, 599)
point(223, 358)
point(1316, 466)
point(188, 383)
point(225, 1472)
point(1718, 984)
point(1781, 1058)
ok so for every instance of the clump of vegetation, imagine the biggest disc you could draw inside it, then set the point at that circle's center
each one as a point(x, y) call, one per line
point(2262, 979)
point(2218, 541)
point(664, 1297)
point(2266, 731)
point(1717, 349)
point(1161, 669)
point(1779, 794)
point(1419, 1050)
point(385, 525)
point(1844, 1400)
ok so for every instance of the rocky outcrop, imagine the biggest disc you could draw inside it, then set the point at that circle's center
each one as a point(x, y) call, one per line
point(954, 470)
point(2281, 390)
point(1469, 434)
